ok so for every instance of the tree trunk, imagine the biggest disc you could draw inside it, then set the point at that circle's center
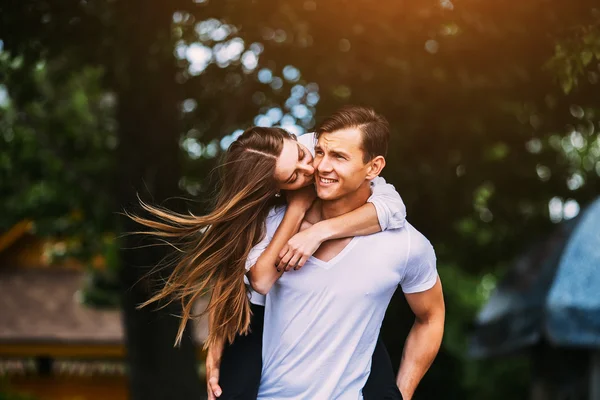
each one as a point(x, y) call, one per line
point(148, 164)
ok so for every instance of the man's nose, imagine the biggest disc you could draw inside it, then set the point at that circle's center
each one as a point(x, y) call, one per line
point(323, 165)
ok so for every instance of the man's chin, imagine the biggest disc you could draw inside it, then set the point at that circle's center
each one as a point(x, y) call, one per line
point(325, 194)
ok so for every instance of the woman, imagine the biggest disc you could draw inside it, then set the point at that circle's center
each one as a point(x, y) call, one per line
point(258, 166)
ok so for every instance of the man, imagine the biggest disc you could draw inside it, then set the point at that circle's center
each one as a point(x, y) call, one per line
point(322, 321)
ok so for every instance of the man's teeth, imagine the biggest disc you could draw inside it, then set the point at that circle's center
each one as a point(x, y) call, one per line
point(324, 180)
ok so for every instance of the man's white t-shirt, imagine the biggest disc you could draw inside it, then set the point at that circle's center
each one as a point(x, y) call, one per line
point(391, 212)
point(322, 321)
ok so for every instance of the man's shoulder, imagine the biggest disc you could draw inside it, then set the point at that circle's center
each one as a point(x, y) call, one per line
point(391, 243)
point(406, 247)
point(407, 230)
point(407, 237)
point(420, 247)
point(417, 236)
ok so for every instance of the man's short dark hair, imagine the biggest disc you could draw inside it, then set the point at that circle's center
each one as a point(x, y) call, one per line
point(375, 128)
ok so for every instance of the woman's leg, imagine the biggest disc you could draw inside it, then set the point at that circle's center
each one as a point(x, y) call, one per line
point(381, 384)
point(241, 363)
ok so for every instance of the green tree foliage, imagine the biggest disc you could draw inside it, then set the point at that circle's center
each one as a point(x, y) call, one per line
point(57, 144)
point(576, 55)
point(58, 136)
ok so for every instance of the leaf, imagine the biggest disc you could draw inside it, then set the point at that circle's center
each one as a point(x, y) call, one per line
point(586, 57)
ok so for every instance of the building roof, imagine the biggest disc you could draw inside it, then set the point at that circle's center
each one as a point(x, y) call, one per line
point(41, 306)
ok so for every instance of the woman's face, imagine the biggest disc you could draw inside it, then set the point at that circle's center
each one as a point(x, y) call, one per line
point(294, 169)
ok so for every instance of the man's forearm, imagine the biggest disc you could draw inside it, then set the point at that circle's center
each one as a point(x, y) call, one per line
point(420, 349)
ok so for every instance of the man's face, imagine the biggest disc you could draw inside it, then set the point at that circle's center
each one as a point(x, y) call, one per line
point(339, 166)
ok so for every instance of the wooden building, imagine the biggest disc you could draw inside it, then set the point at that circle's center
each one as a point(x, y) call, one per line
point(51, 345)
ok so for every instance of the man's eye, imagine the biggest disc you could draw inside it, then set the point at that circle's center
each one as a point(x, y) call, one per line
point(340, 157)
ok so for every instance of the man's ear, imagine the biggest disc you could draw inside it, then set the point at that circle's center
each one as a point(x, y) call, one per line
point(376, 165)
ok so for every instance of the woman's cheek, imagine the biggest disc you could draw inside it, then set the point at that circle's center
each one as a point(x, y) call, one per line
point(308, 181)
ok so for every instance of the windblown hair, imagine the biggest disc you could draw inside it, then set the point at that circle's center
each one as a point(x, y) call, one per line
point(213, 248)
point(375, 128)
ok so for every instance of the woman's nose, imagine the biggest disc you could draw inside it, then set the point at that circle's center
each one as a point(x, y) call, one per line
point(307, 169)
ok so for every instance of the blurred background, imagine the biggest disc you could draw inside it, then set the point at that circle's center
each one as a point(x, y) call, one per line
point(495, 112)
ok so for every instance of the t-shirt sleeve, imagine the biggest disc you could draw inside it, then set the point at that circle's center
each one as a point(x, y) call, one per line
point(272, 223)
point(391, 211)
point(420, 273)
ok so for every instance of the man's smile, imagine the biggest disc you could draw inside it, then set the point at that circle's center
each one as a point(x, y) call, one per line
point(326, 181)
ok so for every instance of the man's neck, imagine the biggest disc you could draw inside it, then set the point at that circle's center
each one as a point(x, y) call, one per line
point(350, 202)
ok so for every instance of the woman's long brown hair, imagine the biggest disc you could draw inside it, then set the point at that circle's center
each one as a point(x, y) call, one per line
point(212, 249)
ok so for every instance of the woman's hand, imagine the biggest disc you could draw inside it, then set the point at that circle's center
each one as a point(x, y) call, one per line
point(301, 246)
point(213, 365)
point(301, 199)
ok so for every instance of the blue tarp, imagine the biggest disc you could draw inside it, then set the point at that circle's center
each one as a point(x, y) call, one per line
point(574, 299)
point(552, 292)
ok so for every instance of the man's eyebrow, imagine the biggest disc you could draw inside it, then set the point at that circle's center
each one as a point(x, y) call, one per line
point(334, 151)
point(339, 152)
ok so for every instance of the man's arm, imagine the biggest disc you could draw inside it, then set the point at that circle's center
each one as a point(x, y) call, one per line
point(424, 339)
